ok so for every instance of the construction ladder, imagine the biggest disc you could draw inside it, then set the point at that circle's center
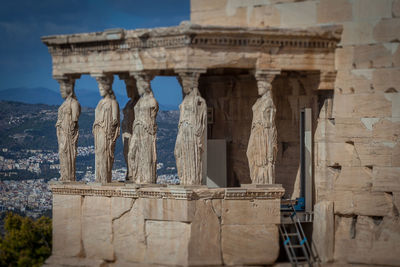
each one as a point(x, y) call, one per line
point(296, 242)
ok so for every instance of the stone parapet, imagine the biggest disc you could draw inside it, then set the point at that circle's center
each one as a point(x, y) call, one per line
point(126, 224)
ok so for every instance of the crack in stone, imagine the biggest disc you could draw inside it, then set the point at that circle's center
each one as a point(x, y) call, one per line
point(82, 252)
point(125, 212)
point(220, 230)
point(112, 225)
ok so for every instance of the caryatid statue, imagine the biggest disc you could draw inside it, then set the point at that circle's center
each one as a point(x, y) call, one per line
point(105, 129)
point(263, 143)
point(190, 146)
point(129, 117)
point(142, 155)
point(67, 129)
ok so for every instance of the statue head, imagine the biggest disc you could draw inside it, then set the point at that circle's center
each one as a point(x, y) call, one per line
point(105, 85)
point(263, 87)
point(143, 84)
point(189, 82)
point(67, 88)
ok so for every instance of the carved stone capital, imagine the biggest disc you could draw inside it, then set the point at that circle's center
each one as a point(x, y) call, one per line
point(266, 75)
point(67, 83)
point(142, 75)
point(103, 79)
point(189, 78)
point(143, 80)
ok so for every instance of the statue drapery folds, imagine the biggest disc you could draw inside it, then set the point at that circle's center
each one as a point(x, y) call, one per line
point(190, 145)
point(68, 129)
point(106, 129)
point(142, 155)
point(263, 143)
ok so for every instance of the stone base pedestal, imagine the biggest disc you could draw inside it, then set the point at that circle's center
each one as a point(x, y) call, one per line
point(121, 225)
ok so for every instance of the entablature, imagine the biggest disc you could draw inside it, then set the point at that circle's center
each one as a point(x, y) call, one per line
point(194, 46)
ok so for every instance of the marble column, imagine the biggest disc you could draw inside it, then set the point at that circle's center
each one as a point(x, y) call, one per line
point(129, 116)
point(67, 128)
point(263, 143)
point(106, 128)
point(142, 155)
point(190, 142)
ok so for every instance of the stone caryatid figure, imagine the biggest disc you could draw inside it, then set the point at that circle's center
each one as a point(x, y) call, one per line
point(142, 156)
point(67, 129)
point(263, 145)
point(105, 129)
point(129, 117)
point(190, 145)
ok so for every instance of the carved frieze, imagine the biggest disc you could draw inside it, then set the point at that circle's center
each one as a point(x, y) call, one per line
point(167, 193)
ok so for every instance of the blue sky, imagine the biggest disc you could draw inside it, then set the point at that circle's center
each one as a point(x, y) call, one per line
point(25, 61)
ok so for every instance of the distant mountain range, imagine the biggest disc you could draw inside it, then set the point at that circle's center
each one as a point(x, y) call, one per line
point(42, 95)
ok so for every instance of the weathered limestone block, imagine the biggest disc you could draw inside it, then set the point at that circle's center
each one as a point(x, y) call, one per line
point(324, 177)
point(167, 242)
point(205, 235)
point(344, 58)
point(344, 231)
point(97, 228)
point(324, 230)
point(120, 206)
point(57, 261)
point(337, 154)
point(249, 244)
point(358, 130)
point(396, 8)
point(358, 33)
point(375, 153)
point(338, 11)
point(248, 212)
point(298, 14)
point(261, 16)
point(373, 56)
point(387, 30)
point(168, 209)
point(353, 81)
point(206, 5)
point(129, 238)
point(371, 9)
point(386, 80)
point(368, 240)
point(395, 98)
point(67, 223)
point(362, 203)
point(386, 130)
point(353, 178)
point(362, 105)
point(386, 179)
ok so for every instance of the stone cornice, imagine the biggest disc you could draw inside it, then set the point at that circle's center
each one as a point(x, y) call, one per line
point(162, 192)
point(189, 35)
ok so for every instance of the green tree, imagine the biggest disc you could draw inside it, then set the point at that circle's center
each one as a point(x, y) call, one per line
point(26, 242)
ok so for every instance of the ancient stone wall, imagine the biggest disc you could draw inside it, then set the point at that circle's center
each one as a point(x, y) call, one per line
point(124, 225)
point(356, 146)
